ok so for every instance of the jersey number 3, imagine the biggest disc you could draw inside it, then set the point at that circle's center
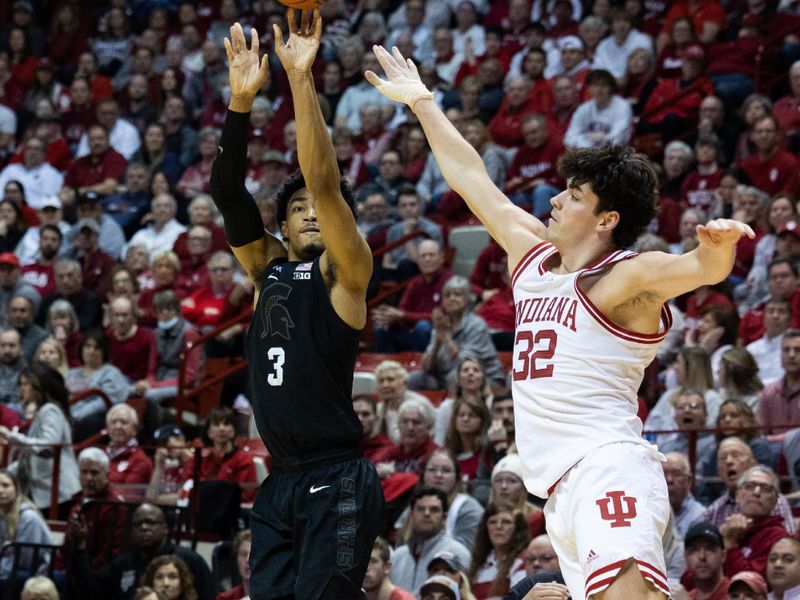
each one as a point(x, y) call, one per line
point(529, 349)
point(278, 356)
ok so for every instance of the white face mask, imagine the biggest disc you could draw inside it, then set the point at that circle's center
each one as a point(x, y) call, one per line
point(168, 324)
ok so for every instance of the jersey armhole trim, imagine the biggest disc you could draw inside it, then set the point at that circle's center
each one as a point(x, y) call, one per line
point(528, 259)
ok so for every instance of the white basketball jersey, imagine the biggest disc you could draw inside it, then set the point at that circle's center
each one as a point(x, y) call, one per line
point(575, 373)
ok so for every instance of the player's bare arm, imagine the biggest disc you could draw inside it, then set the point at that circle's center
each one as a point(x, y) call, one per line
point(247, 74)
point(633, 292)
point(346, 262)
point(514, 229)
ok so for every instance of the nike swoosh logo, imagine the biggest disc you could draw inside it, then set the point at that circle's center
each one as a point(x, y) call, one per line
point(272, 277)
point(315, 489)
point(220, 149)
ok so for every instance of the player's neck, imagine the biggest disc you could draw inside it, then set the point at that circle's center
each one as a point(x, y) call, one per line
point(579, 257)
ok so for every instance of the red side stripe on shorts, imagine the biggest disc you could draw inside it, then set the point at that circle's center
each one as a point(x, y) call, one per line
point(610, 572)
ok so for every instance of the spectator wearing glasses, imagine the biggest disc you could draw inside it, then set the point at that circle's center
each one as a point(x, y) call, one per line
point(543, 572)
point(749, 535)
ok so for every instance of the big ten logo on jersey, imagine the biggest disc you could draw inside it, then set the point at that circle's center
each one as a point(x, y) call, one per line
point(301, 275)
point(303, 271)
point(534, 350)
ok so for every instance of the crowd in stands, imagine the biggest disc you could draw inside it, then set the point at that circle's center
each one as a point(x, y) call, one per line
point(113, 258)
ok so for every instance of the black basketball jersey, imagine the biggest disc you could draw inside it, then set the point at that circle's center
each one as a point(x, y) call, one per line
point(302, 357)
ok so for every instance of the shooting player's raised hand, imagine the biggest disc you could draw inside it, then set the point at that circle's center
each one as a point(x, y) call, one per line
point(300, 50)
point(247, 73)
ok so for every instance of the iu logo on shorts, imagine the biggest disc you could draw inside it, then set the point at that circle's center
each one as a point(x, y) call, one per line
point(619, 515)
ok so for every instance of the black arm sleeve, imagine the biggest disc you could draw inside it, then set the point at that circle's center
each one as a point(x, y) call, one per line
point(242, 218)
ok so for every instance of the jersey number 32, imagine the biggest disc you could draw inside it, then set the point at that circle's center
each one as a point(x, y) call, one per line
point(531, 353)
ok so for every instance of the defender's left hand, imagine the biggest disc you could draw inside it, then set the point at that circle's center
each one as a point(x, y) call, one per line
point(299, 51)
point(723, 231)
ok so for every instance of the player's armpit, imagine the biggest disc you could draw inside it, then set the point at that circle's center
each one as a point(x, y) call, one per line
point(255, 256)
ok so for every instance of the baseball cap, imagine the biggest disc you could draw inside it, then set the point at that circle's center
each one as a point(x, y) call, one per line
point(752, 580)
point(166, 431)
point(88, 224)
point(703, 530)
point(440, 583)
point(89, 198)
point(790, 227)
point(50, 202)
point(510, 463)
point(9, 258)
point(448, 558)
point(273, 156)
point(695, 51)
point(570, 42)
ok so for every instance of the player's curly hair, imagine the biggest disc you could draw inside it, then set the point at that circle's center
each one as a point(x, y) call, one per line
point(295, 182)
point(623, 180)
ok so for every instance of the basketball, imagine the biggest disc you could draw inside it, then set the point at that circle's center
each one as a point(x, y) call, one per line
point(301, 4)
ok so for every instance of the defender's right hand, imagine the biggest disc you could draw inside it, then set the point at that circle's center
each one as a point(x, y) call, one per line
point(403, 82)
point(246, 73)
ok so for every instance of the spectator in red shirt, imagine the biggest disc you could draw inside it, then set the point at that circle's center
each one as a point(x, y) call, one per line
point(408, 326)
point(78, 111)
point(533, 177)
point(201, 211)
point(377, 583)
point(787, 109)
point(782, 284)
point(504, 128)
point(708, 18)
point(699, 188)
point(95, 264)
point(100, 171)
point(195, 179)
point(40, 274)
point(241, 549)
point(771, 168)
point(375, 445)
point(223, 461)
point(749, 206)
point(218, 301)
point(164, 269)
point(194, 270)
point(533, 66)
point(416, 425)
point(132, 348)
point(100, 85)
point(130, 468)
point(103, 524)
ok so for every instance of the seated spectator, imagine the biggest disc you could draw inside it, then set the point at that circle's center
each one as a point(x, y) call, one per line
point(40, 274)
point(408, 326)
point(770, 168)
point(377, 582)
point(12, 225)
point(62, 323)
point(171, 335)
point(129, 202)
point(470, 384)
point(96, 265)
point(69, 286)
point(739, 376)
point(427, 537)
point(705, 556)
point(104, 524)
point(499, 311)
point(747, 585)
point(686, 509)
point(44, 399)
point(497, 561)
point(195, 179)
point(95, 372)
point(678, 159)
point(416, 421)
point(12, 363)
point(781, 210)
point(219, 301)
point(241, 549)
point(533, 178)
point(148, 539)
point(680, 37)
point(415, 150)
point(716, 333)
point(20, 316)
point(457, 332)
point(779, 403)
point(507, 486)
point(466, 438)
point(98, 171)
point(39, 588)
point(401, 263)
point(766, 350)
point(605, 118)
point(112, 238)
point(39, 178)
point(783, 569)
point(162, 232)
point(690, 415)
point(734, 457)
point(787, 109)
point(123, 136)
point(542, 569)
point(223, 461)
point(505, 126)
point(201, 211)
point(164, 269)
point(750, 207)
point(130, 468)
point(501, 432)
point(171, 465)
point(373, 218)
point(12, 284)
point(699, 188)
point(169, 576)
point(52, 353)
point(137, 260)
point(374, 444)
point(131, 347)
point(639, 80)
point(155, 155)
point(749, 535)
point(391, 378)
point(20, 522)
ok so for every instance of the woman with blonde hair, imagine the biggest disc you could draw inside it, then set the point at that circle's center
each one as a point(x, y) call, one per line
point(39, 588)
point(164, 269)
point(51, 352)
point(62, 324)
point(20, 521)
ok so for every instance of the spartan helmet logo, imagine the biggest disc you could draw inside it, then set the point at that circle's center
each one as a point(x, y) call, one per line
point(275, 317)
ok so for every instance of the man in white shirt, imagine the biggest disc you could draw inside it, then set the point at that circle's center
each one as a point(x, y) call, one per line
point(606, 118)
point(49, 213)
point(161, 233)
point(766, 350)
point(783, 570)
point(39, 178)
point(122, 135)
point(354, 97)
point(613, 52)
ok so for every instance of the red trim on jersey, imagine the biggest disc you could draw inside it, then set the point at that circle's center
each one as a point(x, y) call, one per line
point(648, 571)
point(527, 259)
point(625, 334)
point(544, 260)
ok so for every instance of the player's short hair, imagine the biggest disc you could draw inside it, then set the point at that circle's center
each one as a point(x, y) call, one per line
point(296, 182)
point(95, 455)
point(425, 491)
point(623, 180)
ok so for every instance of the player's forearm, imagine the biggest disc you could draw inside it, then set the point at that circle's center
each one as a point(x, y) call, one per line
point(315, 151)
point(714, 262)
